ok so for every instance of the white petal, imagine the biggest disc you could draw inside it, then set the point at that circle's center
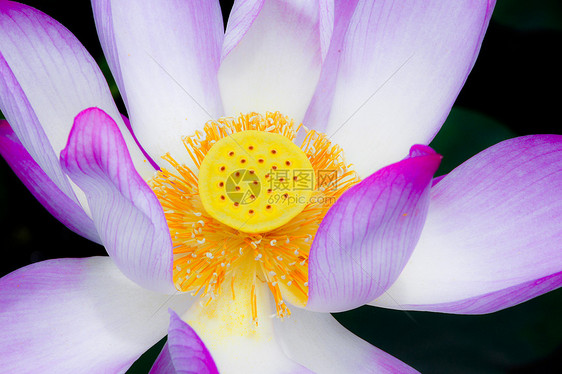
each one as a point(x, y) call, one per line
point(235, 343)
point(47, 78)
point(319, 342)
point(78, 316)
point(276, 64)
point(492, 235)
point(165, 55)
point(401, 67)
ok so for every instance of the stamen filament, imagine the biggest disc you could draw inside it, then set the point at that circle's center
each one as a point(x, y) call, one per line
point(208, 252)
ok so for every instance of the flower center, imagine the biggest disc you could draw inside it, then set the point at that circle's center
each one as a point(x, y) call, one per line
point(249, 211)
point(255, 181)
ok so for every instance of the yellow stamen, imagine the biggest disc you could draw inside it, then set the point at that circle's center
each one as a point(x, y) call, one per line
point(208, 248)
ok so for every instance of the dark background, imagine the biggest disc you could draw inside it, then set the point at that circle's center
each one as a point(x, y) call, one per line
point(513, 90)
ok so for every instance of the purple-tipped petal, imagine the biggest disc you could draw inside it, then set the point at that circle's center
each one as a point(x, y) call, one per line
point(165, 55)
point(126, 212)
point(401, 66)
point(241, 17)
point(244, 13)
point(367, 237)
point(493, 233)
point(66, 210)
point(46, 78)
point(163, 363)
point(146, 155)
point(106, 33)
point(78, 316)
point(186, 352)
point(317, 341)
point(318, 111)
point(487, 302)
point(437, 180)
point(272, 57)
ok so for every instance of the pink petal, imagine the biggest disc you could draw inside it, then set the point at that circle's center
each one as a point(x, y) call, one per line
point(493, 233)
point(271, 58)
point(367, 237)
point(163, 363)
point(46, 78)
point(318, 111)
point(185, 351)
point(42, 187)
point(244, 13)
point(242, 16)
point(126, 212)
point(165, 55)
point(146, 155)
point(78, 316)
point(401, 66)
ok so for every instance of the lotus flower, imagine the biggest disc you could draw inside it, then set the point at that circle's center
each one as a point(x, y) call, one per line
point(205, 240)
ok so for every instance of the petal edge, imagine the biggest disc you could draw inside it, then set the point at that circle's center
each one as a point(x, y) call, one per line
point(126, 212)
point(366, 238)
